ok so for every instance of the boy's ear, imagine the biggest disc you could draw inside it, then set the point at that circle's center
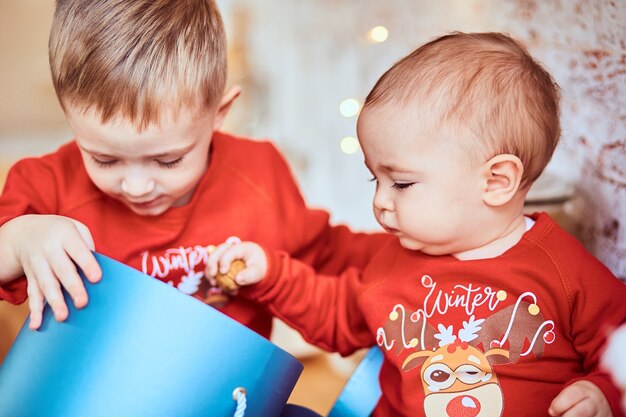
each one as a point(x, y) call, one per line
point(224, 107)
point(503, 176)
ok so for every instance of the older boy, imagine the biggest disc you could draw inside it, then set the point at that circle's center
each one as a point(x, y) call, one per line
point(478, 309)
point(148, 179)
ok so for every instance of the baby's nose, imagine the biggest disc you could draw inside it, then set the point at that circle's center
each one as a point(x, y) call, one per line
point(382, 201)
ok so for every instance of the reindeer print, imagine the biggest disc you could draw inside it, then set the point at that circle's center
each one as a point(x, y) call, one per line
point(456, 366)
point(458, 379)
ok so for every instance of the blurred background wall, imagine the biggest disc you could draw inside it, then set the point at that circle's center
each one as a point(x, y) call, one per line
point(306, 65)
point(297, 61)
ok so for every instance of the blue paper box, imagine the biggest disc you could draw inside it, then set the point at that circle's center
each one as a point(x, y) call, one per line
point(142, 348)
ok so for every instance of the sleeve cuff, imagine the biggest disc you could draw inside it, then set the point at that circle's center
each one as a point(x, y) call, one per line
point(14, 292)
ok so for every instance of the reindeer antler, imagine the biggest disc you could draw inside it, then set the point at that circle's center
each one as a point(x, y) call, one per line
point(470, 329)
point(445, 335)
point(515, 325)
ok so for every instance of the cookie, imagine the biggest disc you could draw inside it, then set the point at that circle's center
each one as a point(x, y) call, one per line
point(227, 281)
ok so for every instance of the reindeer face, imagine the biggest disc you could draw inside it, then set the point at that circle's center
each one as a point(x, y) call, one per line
point(457, 377)
point(455, 367)
point(458, 381)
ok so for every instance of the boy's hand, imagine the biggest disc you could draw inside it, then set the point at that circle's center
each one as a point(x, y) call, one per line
point(581, 399)
point(251, 253)
point(47, 247)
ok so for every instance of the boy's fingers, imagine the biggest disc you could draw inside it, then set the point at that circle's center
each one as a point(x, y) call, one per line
point(51, 289)
point(35, 303)
point(65, 270)
point(35, 319)
point(79, 252)
point(85, 234)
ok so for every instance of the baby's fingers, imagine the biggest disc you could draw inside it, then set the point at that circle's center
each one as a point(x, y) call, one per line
point(584, 408)
point(254, 257)
point(230, 253)
point(250, 275)
point(567, 399)
point(581, 399)
point(213, 261)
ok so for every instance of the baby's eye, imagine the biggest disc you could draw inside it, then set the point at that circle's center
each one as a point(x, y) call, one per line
point(401, 185)
point(104, 162)
point(170, 164)
point(373, 179)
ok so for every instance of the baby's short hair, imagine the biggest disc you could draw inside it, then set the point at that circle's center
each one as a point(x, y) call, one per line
point(138, 58)
point(487, 83)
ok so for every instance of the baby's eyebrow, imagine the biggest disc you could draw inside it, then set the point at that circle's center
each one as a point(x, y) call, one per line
point(391, 167)
point(397, 169)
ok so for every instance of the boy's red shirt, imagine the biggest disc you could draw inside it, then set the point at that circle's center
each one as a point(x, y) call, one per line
point(247, 191)
point(502, 335)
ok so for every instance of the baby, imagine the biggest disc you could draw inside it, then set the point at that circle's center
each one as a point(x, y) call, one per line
point(479, 309)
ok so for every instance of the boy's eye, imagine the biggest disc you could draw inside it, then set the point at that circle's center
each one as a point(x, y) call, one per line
point(401, 185)
point(170, 164)
point(104, 162)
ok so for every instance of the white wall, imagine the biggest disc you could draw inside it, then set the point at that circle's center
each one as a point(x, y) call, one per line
point(298, 59)
point(304, 57)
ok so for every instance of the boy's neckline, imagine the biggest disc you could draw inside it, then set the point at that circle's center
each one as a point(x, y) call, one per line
point(499, 246)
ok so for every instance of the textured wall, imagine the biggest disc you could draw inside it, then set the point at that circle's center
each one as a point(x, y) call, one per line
point(304, 57)
point(298, 59)
point(584, 45)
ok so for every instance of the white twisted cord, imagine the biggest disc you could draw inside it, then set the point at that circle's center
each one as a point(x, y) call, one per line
point(239, 395)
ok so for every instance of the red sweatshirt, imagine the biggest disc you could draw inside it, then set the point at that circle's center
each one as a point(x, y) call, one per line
point(247, 191)
point(490, 337)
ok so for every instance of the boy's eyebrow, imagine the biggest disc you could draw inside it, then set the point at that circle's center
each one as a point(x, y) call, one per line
point(179, 151)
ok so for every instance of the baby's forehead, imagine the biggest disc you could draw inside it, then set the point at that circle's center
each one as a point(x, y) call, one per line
point(415, 116)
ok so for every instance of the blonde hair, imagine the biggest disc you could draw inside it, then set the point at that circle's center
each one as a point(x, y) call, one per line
point(136, 58)
point(487, 83)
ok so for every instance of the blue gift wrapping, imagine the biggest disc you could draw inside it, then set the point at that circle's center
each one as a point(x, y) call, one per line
point(142, 348)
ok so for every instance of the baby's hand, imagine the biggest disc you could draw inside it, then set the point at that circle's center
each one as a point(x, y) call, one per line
point(581, 399)
point(47, 247)
point(250, 253)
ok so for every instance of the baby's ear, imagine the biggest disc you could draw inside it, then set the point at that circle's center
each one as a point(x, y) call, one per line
point(503, 176)
point(224, 107)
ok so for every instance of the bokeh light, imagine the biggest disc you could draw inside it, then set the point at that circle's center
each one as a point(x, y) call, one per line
point(378, 34)
point(349, 145)
point(349, 107)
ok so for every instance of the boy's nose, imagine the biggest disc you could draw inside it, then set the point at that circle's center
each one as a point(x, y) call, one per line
point(137, 186)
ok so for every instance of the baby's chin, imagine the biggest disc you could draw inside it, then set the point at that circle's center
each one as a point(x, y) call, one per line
point(412, 244)
point(428, 249)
